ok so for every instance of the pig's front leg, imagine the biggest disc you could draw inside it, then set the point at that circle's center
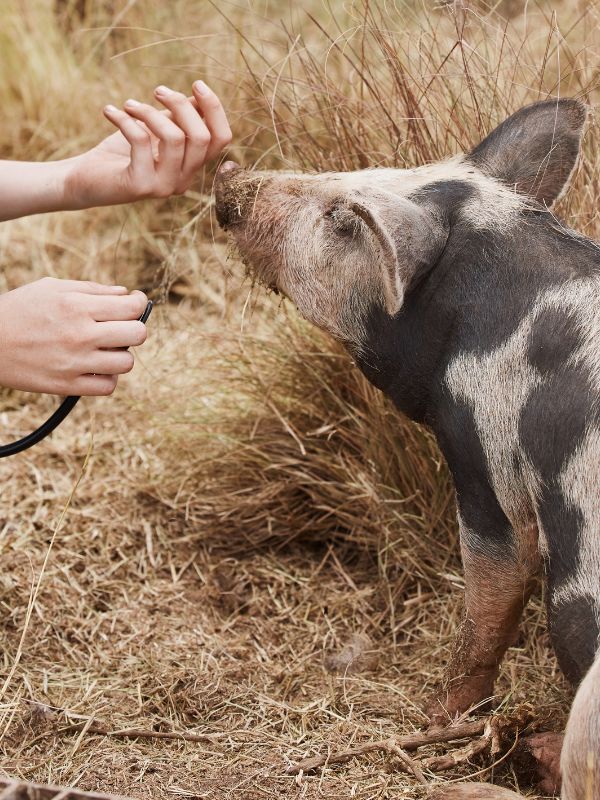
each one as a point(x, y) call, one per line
point(498, 582)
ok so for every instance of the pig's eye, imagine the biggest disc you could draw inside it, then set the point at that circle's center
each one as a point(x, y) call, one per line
point(343, 220)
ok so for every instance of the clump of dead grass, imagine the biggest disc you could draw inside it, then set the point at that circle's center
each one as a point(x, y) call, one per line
point(279, 438)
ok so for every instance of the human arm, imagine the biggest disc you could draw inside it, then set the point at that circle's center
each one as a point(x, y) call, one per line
point(152, 154)
point(70, 337)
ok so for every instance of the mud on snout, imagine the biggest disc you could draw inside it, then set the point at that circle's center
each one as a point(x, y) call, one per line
point(239, 199)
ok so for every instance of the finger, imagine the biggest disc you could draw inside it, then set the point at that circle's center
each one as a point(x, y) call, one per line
point(171, 143)
point(93, 385)
point(215, 118)
point(119, 334)
point(110, 362)
point(185, 114)
point(108, 309)
point(89, 287)
point(142, 160)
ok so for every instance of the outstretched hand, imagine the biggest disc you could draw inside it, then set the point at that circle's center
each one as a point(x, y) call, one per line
point(154, 153)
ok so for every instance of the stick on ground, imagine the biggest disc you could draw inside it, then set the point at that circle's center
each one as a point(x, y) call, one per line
point(395, 745)
point(25, 790)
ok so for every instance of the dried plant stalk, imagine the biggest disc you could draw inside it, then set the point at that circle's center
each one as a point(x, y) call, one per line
point(12, 789)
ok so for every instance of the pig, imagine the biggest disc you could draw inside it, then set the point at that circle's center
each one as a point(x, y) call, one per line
point(462, 297)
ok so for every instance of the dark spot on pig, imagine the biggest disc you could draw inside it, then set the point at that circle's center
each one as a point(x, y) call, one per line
point(553, 423)
point(562, 523)
point(442, 316)
point(575, 634)
point(448, 196)
point(507, 294)
point(555, 418)
point(476, 499)
point(553, 340)
point(400, 353)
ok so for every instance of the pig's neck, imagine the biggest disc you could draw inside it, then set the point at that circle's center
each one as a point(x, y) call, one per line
point(471, 301)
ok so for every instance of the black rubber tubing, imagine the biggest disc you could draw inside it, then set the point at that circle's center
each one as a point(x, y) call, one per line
point(64, 409)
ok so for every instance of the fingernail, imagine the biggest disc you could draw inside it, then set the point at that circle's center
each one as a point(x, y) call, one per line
point(118, 287)
point(110, 109)
point(201, 87)
point(132, 103)
point(163, 90)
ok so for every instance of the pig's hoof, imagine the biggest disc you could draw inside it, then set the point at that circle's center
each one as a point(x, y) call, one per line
point(440, 709)
point(472, 791)
point(445, 706)
point(537, 760)
point(437, 712)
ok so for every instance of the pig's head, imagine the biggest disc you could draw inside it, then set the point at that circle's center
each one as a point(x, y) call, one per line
point(337, 244)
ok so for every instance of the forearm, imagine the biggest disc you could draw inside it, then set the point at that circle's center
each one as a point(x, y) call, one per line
point(30, 187)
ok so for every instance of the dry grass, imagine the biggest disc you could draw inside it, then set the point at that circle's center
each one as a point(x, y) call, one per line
point(250, 502)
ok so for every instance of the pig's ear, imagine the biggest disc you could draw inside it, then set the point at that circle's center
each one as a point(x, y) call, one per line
point(535, 150)
point(393, 290)
point(411, 239)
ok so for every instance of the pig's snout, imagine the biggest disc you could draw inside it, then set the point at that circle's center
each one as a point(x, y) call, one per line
point(227, 166)
point(227, 209)
point(235, 191)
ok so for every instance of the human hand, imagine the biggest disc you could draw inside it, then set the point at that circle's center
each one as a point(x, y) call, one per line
point(154, 153)
point(66, 337)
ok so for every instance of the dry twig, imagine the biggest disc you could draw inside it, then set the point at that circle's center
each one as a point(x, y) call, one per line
point(88, 725)
point(455, 757)
point(400, 743)
point(24, 790)
point(138, 733)
point(489, 730)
